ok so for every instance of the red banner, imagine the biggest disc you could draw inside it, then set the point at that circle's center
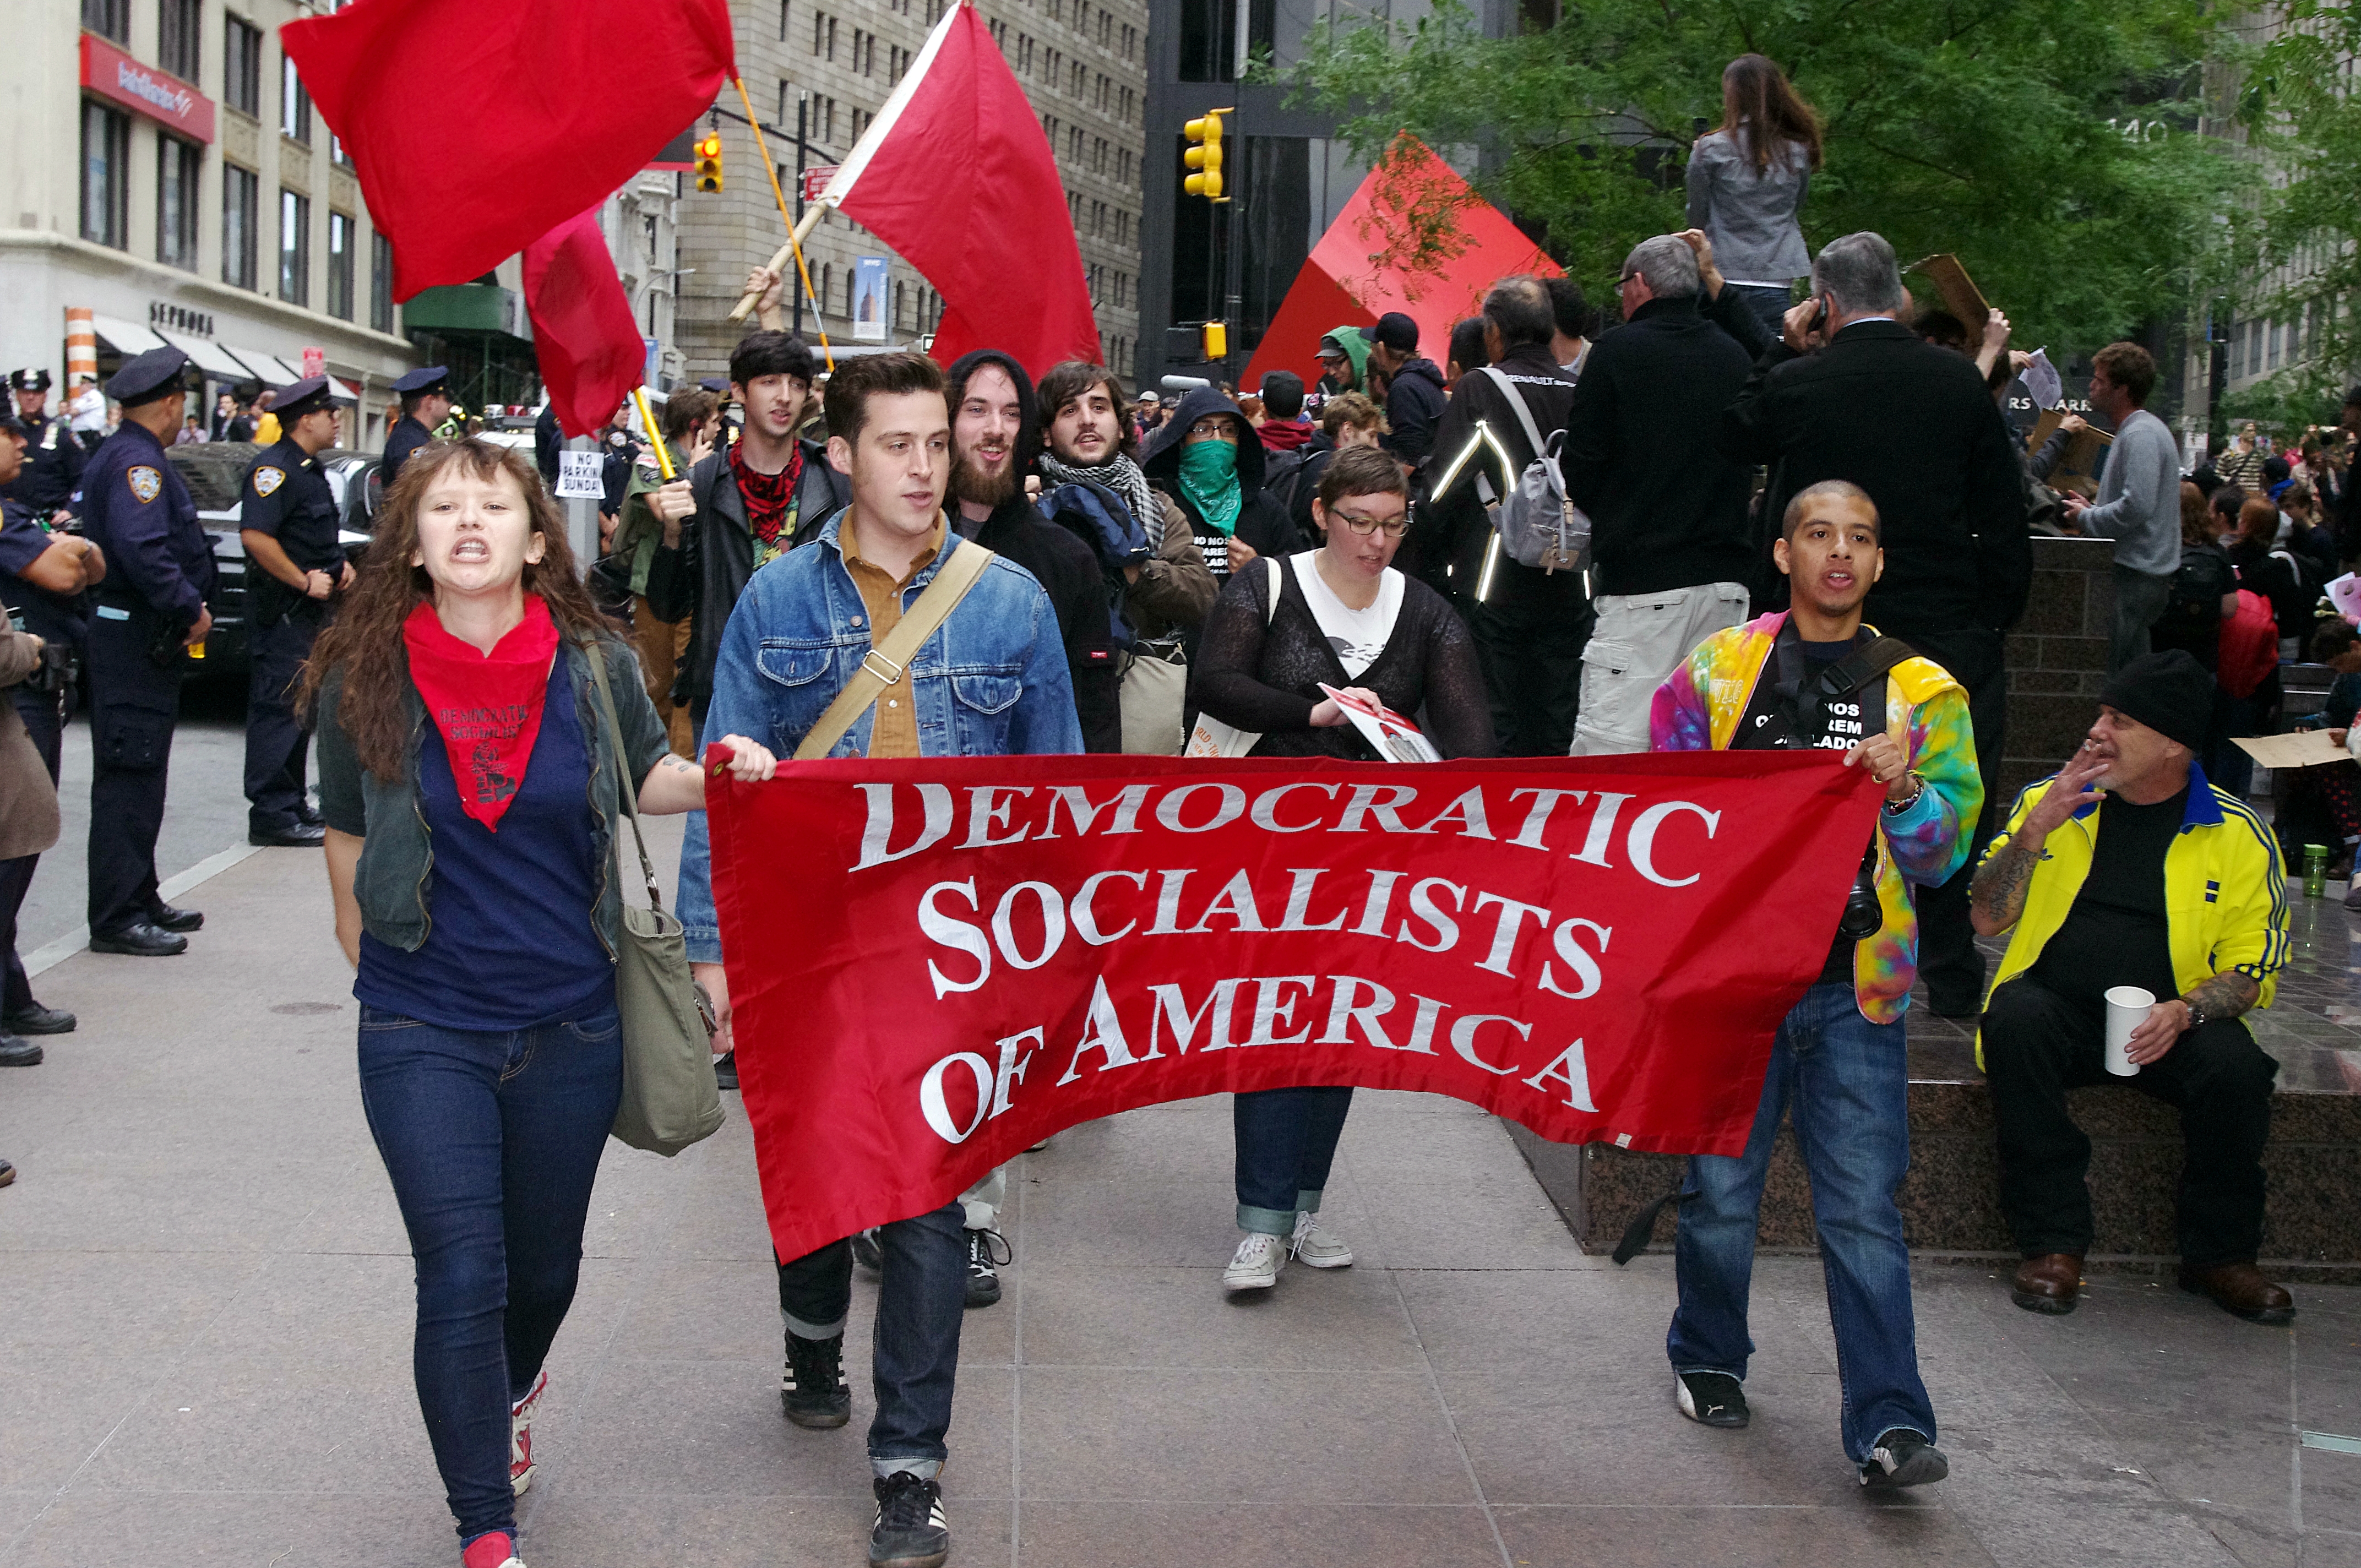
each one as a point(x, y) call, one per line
point(936, 963)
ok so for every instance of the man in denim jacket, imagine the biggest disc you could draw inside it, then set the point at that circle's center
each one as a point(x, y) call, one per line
point(991, 680)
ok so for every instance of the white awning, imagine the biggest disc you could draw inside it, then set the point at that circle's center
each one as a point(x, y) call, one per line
point(267, 368)
point(209, 355)
point(125, 337)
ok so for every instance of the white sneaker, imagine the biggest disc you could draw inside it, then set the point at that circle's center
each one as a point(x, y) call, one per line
point(1319, 1249)
point(1255, 1264)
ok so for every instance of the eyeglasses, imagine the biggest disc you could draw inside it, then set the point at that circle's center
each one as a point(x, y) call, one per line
point(1395, 527)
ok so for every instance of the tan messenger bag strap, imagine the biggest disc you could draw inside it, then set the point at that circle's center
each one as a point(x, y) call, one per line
point(883, 664)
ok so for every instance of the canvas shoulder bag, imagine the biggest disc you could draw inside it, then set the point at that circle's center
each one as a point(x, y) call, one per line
point(670, 1097)
point(884, 662)
point(1211, 738)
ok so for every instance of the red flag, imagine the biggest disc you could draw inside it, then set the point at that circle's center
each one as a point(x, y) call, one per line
point(991, 949)
point(476, 128)
point(957, 176)
point(589, 348)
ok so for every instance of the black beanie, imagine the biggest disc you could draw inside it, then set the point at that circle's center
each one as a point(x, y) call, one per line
point(2168, 692)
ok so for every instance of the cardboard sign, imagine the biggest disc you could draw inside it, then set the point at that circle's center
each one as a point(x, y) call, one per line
point(2306, 748)
point(581, 475)
point(1961, 295)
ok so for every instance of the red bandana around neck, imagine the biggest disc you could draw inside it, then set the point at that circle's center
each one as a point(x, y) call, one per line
point(768, 495)
point(487, 707)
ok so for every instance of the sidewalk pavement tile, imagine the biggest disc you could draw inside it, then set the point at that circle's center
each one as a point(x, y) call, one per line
point(114, 1304)
point(1849, 1533)
point(239, 1529)
point(1342, 1320)
point(1308, 1529)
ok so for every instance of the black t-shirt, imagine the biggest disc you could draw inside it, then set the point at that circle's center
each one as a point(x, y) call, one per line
point(2117, 932)
point(1847, 721)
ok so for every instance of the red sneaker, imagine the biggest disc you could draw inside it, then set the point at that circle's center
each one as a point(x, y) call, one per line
point(521, 1465)
point(496, 1550)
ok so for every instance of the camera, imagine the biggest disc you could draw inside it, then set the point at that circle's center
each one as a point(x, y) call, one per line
point(1862, 914)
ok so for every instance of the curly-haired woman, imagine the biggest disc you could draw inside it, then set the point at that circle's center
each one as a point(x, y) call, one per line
point(468, 777)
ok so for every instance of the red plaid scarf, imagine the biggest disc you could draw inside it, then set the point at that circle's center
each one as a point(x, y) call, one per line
point(769, 497)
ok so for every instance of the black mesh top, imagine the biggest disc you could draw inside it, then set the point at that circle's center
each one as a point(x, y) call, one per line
point(1268, 679)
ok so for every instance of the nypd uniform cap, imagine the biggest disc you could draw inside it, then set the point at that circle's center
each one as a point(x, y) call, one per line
point(716, 384)
point(30, 380)
point(147, 377)
point(11, 425)
point(309, 395)
point(428, 379)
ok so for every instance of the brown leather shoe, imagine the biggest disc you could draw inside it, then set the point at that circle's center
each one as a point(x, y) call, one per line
point(2240, 1289)
point(2050, 1283)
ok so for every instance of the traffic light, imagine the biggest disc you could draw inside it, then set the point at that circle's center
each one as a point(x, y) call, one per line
point(708, 162)
point(1204, 157)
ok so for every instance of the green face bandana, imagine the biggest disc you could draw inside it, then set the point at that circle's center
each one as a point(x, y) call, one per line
point(1209, 476)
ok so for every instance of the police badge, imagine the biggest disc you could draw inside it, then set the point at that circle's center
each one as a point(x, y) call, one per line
point(267, 479)
point(146, 483)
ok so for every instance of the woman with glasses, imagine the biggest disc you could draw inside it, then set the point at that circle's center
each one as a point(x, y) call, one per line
point(1346, 619)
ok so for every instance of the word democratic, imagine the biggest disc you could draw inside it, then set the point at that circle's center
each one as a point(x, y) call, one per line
point(1030, 943)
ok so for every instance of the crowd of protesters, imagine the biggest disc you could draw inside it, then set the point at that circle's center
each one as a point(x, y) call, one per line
point(1739, 515)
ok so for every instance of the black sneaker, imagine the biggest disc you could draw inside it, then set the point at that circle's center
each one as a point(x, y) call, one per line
point(1903, 1458)
point(910, 1531)
point(867, 1252)
point(812, 1390)
point(725, 1070)
point(1711, 1398)
point(983, 1278)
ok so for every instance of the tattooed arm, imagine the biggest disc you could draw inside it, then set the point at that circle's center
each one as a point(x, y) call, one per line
point(1997, 897)
point(2225, 996)
point(676, 784)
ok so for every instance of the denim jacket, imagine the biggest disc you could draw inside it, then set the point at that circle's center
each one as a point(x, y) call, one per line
point(394, 879)
point(991, 682)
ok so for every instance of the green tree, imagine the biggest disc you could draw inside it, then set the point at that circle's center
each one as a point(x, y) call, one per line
point(2036, 140)
point(2297, 238)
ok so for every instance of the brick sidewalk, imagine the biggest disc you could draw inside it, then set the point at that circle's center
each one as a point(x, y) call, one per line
point(205, 1356)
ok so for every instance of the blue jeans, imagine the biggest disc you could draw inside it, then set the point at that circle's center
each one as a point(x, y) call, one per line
point(921, 1302)
point(1286, 1139)
point(1848, 1083)
point(1770, 304)
point(492, 1140)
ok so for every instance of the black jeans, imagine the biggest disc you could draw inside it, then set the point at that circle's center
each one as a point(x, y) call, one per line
point(1949, 960)
point(1529, 634)
point(276, 737)
point(2038, 1045)
point(134, 705)
point(40, 712)
point(1286, 1141)
point(921, 1304)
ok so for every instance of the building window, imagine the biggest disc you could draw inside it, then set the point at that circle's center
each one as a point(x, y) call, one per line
point(178, 166)
point(177, 40)
point(782, 21)
point(381, 282)
point(340, 266)
point(242, 67)
point(827, 287)
point(294, 103)
point(110, 17)
point(241, 224)
point(105, 175)
point(295, 248)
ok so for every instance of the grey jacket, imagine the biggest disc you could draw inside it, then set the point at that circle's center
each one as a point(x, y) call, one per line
point(2139, 496)
point(395, 879)
point(1749, 218)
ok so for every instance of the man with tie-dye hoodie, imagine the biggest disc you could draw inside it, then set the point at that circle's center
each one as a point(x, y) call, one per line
point(1792, 679)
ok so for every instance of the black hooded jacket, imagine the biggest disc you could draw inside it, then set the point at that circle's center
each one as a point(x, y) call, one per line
point(1263, 523)
point(1414, 402)
point(1065, 567)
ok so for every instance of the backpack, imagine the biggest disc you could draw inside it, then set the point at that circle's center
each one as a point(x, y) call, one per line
point(1537, 524)
point(2194, 604)
point(2249, 647)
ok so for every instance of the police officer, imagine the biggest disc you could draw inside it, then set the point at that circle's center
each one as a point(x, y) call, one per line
point(425, 403)
point(150, 608)
point(294, 564)
point(42, 578)
point(51, 476)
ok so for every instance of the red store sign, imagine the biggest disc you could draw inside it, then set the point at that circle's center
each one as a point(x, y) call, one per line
point(113, 75)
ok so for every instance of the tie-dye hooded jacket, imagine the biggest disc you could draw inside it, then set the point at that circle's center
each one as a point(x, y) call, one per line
point(1698, 710)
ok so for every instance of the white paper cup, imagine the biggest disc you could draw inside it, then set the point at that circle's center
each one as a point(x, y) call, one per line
point(2127, 1007)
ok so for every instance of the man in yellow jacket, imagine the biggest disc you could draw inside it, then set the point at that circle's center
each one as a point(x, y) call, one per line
point(2129, 869)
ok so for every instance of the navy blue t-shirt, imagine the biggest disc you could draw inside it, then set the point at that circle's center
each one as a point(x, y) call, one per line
point(510, 942)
